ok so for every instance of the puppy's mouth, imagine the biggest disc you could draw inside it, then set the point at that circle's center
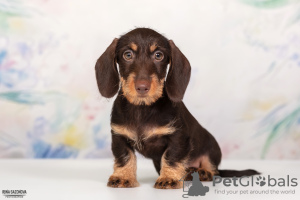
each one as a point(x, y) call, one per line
point(142, 95)
point(142, 92)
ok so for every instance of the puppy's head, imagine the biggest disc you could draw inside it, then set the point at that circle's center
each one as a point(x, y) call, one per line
point(143, 56)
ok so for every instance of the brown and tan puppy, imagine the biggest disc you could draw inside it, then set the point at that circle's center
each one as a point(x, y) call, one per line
point(148, 114)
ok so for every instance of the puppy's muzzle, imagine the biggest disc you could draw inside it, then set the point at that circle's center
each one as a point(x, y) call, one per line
point(142, 86)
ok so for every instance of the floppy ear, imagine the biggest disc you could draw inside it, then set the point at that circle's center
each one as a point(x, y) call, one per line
point(179, 74)
point(107, 73)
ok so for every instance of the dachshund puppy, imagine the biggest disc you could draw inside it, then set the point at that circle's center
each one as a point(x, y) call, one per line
point(148, 114)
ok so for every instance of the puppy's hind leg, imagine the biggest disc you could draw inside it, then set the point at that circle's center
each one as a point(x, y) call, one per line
point(203, 166)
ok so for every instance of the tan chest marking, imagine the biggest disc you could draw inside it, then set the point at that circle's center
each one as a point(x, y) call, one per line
point(124, 130)
point(159, 131)
point(146, 133)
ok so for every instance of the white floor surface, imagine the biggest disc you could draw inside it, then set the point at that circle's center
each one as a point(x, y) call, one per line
point(86, 179)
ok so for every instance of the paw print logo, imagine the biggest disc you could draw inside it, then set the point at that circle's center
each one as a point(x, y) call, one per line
point(261, 181)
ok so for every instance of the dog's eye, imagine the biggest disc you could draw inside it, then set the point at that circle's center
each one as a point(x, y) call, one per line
point(158, 55)
point(127, 55)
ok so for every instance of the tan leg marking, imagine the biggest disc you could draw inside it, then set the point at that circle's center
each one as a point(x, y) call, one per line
point(128, 87)
point(170, 176)
point(207, 165)
point(125, 176)
point(203, 166)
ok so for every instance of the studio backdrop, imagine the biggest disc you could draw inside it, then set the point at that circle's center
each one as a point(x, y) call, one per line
point(244, 87)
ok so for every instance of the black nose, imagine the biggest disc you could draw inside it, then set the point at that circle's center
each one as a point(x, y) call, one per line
point(142, 86)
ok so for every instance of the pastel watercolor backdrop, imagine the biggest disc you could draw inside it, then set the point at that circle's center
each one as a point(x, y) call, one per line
point(244, 88)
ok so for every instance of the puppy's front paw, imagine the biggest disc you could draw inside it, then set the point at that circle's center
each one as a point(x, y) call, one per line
point(119, 182)
point(167, 183)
